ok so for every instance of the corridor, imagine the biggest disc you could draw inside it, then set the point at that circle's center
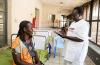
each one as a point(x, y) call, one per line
point(50, 20)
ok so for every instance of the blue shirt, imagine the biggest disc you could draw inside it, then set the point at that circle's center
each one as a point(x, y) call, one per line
point(59, 42)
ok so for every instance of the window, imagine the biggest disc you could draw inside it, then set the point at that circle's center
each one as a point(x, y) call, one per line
point(63, 21)
point(84, 13)
point(99, 13)
point(95, 10)
point(1, 29)
point(98, 42)
point(3, 20)
point(94, 30)
point(94, 19)
point(88, 12)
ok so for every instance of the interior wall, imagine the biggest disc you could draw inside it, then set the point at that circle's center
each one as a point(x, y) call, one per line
point(9, 20)
point(48, 10)
point(19, 10)
point(23, 10)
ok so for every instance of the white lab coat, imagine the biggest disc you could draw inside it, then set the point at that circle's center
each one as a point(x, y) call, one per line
point(77, 51)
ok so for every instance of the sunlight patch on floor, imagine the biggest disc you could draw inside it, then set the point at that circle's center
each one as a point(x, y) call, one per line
point(55, 61)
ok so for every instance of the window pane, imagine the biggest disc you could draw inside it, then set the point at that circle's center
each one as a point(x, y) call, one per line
point(93, 31)
point(99, 34)
point(84, 13)
point(1, 5)
point(95, 10)
point(88, 12)
point(99, 13)
point(61, 24)
point(1, 40)
point(1, 29)
point(1, 20)
point(1, 15)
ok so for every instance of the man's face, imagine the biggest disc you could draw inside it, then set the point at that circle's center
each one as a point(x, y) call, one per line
point(75, 15)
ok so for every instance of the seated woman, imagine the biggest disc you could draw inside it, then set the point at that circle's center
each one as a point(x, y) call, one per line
point(23, 46)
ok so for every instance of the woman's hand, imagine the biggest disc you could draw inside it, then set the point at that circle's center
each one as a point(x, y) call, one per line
point(38, 63)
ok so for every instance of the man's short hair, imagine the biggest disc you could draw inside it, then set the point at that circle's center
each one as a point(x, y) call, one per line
point(79, 10)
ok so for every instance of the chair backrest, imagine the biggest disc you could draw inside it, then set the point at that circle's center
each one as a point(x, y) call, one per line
point(13, 37)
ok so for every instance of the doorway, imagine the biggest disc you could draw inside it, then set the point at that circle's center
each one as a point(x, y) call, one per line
point(37, 17)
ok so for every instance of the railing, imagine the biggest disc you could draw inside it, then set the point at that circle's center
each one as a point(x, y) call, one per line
point(43, 33)
point(38, 39)
point(12, 38)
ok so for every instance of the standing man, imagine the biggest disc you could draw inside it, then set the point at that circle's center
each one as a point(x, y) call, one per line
point(76, 39)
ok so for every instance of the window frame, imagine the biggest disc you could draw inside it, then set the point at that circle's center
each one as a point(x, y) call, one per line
point(91, 4)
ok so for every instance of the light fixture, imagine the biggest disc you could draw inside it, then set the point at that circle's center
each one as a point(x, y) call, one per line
point(61, 3)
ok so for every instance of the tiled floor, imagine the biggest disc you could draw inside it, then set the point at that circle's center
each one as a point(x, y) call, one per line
point(55, 61)
point(88, 61)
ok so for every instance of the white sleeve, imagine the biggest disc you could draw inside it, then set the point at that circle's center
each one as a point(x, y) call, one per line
point(83, 31)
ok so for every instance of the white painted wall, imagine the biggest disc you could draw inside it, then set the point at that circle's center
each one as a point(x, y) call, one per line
point(23, 10)
point(48, 10)
point(19, 10)
point(9, 20)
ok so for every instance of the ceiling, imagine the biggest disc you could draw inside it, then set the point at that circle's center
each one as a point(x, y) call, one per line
point(68, 4)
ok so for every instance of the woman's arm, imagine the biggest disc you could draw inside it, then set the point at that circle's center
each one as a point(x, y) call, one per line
point(17, 58)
